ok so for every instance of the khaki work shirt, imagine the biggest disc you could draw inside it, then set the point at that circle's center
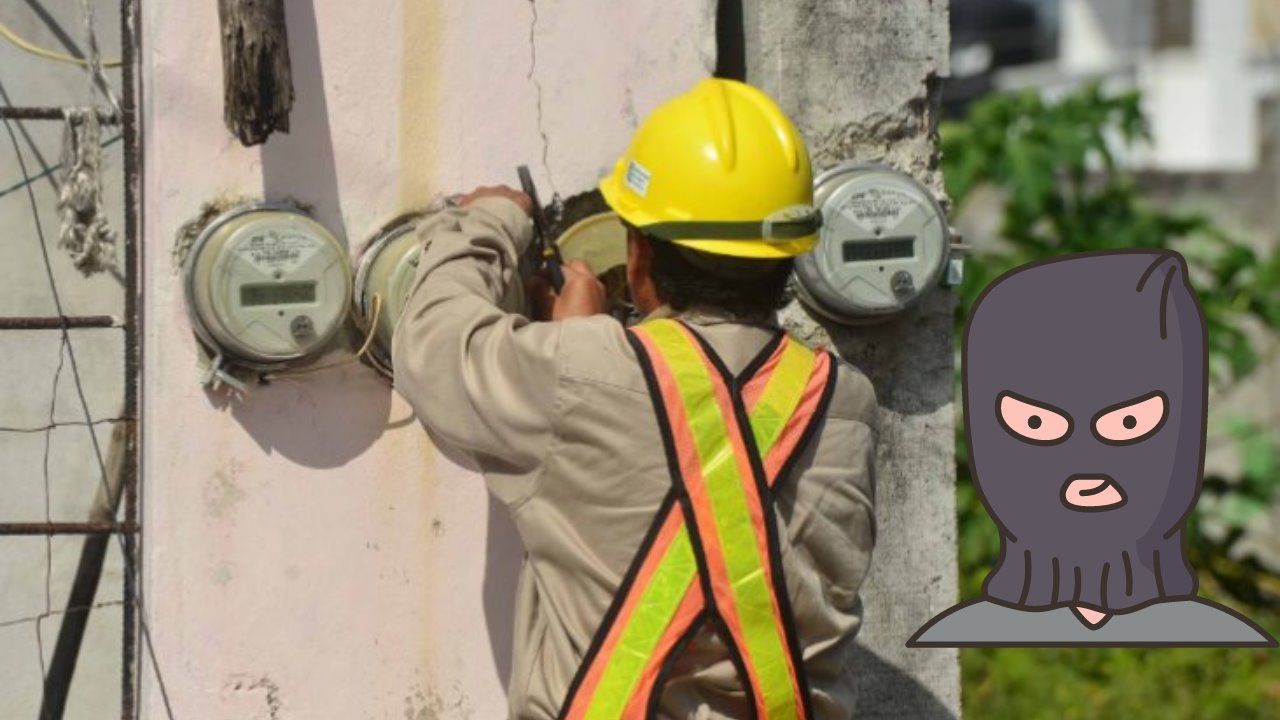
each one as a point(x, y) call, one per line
point(558, 418)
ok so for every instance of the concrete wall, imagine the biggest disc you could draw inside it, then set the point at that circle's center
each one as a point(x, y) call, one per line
point(862, 80)
point(53, 474)
point(307, 553)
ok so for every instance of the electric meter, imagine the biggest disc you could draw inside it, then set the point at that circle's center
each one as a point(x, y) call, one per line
point(885, 241)
point(267, 286)
point(600, 241)
point(386, 269)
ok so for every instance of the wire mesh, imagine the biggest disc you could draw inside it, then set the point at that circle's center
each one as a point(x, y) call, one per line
point(41, 529)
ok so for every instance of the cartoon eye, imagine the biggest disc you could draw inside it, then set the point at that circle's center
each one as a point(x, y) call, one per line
point(1131, 420)
point(1032, 421)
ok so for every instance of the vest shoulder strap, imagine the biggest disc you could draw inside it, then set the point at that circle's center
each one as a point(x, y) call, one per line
point(712, 553)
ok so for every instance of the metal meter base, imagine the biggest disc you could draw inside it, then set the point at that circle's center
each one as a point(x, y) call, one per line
point(386, 269)
point(600, 241)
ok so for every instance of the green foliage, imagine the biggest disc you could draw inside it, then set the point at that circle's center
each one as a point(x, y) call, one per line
point(1055, 163)
point(1170, 684)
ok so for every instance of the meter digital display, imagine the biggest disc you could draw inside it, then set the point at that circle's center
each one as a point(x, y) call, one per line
point(267, 286)
point(281, 294)
point(890, 249)
point(884, 243)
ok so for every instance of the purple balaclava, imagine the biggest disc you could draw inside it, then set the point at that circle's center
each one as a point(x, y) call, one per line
point(1085, 396)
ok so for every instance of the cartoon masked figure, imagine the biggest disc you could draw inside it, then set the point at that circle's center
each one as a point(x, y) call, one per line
point(1085, 401)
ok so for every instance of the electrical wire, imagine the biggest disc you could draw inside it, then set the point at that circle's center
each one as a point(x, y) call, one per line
point(8, 34)
point(49, 171)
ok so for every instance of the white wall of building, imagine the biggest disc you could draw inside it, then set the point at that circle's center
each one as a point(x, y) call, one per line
point(308, 554)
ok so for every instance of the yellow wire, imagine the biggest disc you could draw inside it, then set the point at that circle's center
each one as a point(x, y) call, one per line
point(374, 312)
point(14, 38)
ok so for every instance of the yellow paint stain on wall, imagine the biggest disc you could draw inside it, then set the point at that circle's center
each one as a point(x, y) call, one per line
point(419, 99)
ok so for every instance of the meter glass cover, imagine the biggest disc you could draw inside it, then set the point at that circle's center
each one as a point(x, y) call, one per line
point(886, 249)
point(292, 293)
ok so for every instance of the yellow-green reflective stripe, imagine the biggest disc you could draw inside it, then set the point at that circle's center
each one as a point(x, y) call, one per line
point(781, 396)
point(753, 596)
point(677, 570)
point(652, 614)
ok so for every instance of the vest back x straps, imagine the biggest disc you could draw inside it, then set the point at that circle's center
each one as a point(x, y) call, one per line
point(712, 552)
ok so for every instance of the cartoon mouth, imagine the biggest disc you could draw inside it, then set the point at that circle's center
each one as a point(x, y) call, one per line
point(1091, 493)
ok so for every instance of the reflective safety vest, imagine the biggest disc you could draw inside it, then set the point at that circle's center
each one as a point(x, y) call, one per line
point(712, 552)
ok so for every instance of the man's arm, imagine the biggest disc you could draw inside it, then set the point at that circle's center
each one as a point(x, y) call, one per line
point(836, 530)
point(480, 378)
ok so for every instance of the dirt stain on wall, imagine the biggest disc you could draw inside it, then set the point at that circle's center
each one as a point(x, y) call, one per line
point(221, 493)
point(419, 98)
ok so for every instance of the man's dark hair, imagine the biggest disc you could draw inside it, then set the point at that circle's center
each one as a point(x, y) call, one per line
point(740, 288)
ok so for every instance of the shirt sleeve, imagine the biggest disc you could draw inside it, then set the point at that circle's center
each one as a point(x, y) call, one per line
point(481, 378)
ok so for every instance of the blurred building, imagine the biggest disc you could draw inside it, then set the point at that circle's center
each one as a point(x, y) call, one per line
point(1206, 68)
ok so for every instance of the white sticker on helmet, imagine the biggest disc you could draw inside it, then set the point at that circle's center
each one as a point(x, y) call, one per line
point(638, 178)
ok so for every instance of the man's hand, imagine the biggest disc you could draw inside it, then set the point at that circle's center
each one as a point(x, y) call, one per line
point(519, 198)
point(583, 294)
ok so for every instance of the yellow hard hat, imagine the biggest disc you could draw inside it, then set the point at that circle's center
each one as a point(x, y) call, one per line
point(719, 169)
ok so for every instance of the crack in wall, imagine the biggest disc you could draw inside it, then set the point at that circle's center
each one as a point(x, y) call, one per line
point(533, 67)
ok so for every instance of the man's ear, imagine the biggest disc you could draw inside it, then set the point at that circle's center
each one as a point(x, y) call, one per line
point(638, 251)
point(639, 265)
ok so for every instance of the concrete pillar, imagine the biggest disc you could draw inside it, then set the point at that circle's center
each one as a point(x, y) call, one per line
point(862, 79)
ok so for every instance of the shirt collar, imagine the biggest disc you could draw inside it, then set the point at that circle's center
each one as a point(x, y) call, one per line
point(702, 317)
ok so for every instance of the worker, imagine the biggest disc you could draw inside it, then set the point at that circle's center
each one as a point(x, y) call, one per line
point(694, 493)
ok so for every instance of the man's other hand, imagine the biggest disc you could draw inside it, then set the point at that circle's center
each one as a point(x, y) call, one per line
point(519, 198)
point(583, 294)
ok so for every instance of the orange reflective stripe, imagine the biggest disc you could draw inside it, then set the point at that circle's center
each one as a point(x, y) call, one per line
point(659, 602)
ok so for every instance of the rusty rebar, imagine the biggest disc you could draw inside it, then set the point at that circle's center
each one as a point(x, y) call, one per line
point(130, 40)
point(66, 528)
point(106, 117)
point(56, 322)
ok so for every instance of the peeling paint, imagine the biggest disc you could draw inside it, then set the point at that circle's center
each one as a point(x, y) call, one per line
point(260, 686)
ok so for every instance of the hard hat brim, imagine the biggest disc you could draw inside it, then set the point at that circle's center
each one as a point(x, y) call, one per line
point(628, 208)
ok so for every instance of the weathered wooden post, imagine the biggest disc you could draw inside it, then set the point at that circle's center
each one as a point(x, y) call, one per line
point(861, 78)
point(256, 77)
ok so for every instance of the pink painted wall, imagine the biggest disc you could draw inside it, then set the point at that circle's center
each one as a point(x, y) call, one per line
point(307, 553)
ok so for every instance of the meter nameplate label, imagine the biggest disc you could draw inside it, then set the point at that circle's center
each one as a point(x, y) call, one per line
point(273, 251)
point(878, 207)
